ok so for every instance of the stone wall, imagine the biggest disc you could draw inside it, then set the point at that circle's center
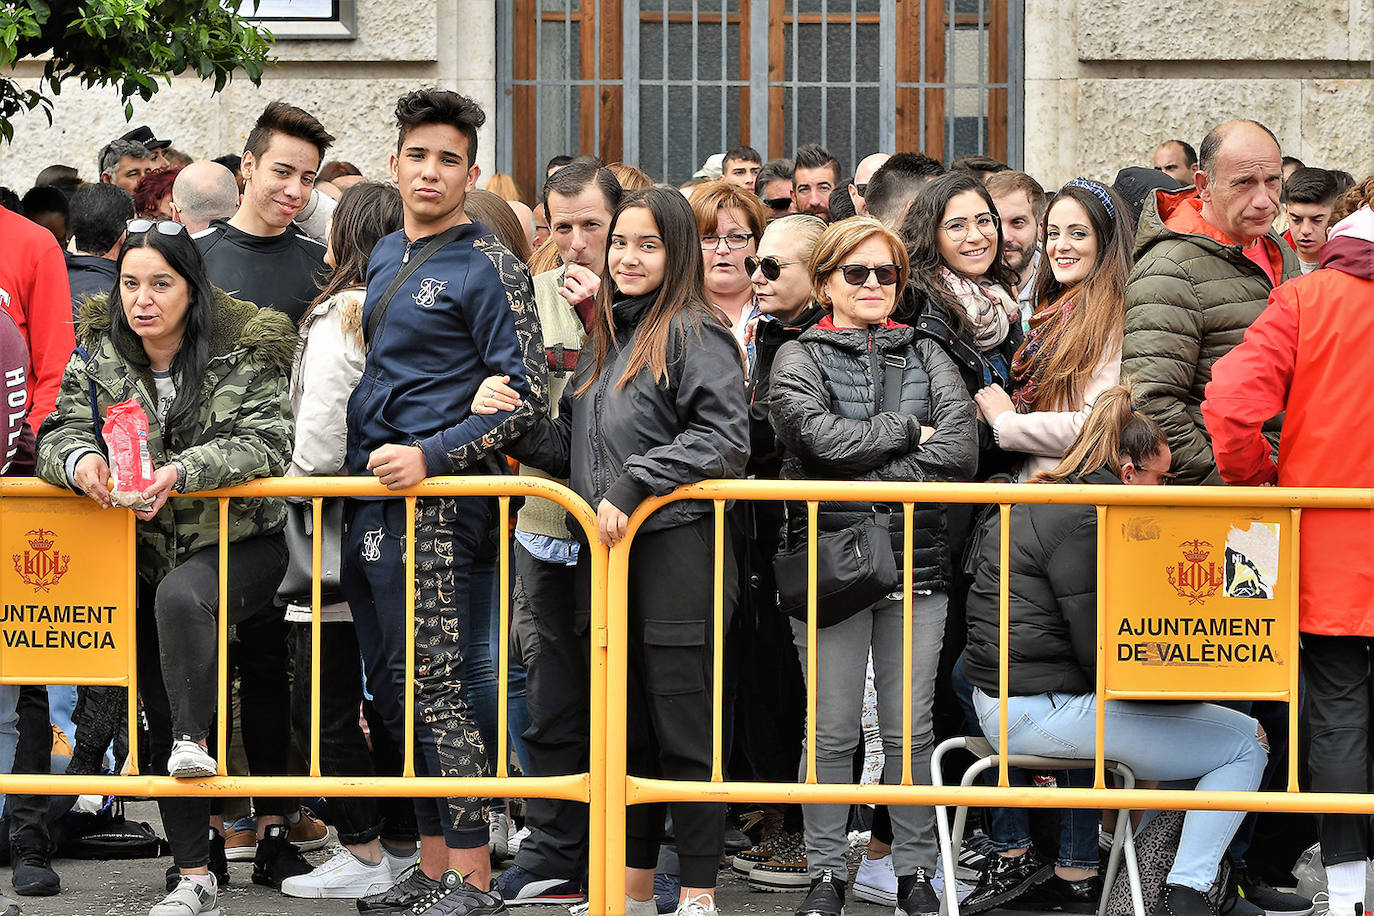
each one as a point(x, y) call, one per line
point(1108, 80)
point(350, 85)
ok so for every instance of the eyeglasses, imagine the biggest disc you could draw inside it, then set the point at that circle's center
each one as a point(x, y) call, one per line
point(163, 226)
point(777, 203)
point(862, 189)
point(734, 240)
point(771, 267)
point(957, 229)
point(857, 274)
point(1165, 476)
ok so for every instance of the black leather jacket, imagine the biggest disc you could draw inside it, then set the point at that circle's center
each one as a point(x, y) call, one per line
point(624, 444)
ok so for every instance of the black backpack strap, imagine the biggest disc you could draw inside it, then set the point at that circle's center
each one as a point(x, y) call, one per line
point(894, 364)
point(95, 401)
point(408, 268)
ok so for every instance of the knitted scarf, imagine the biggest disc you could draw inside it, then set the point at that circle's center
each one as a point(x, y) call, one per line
point(1027, 368)
point(987, 306)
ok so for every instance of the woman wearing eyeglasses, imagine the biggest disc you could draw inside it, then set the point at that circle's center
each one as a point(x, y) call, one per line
point(861, 397)
point(960, 290)
point(730, 222)
point(1073, 351)
point(210, 372)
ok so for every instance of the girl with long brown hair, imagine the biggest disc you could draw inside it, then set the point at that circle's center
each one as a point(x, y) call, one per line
point(657, 401)
point(1073, 351)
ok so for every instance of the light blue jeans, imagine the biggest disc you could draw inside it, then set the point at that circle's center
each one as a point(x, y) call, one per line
point(1159, 741)
point(9, 729)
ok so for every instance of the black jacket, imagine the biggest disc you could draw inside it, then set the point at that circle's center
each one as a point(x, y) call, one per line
point(281, 272)
point(625, 444)
point(975, 367)
point(89, 275)
point(765, 462)
point(1053, 594)
point(828, 411)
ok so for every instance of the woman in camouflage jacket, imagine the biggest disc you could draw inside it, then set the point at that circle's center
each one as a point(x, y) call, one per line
point(210, 372)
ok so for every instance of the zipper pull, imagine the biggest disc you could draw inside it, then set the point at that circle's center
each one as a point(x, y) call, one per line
point(405, 258)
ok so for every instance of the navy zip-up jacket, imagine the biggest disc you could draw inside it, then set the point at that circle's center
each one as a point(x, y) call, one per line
point(466, 314)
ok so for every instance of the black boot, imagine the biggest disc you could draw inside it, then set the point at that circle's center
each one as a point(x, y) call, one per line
point(826, 897)
point(1178, 900)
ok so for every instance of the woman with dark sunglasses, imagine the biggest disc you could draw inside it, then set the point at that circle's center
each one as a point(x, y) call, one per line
point(210, 373)
point(861, 397)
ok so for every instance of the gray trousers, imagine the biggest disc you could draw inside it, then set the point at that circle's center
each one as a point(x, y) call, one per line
point(841, 665)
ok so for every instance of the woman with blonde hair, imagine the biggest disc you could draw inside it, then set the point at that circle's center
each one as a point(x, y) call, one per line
point(861, 397)
point(503, 186)
point(1073, 351)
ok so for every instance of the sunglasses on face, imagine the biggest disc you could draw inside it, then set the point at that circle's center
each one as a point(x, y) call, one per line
point(777, 203)
point(163, 226)
point(857, 274)
point(770, 266)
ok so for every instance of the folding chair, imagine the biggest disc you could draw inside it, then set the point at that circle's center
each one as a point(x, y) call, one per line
point(1122, 839)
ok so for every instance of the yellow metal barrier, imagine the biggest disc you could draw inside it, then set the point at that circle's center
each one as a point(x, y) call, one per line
point(587, 787)
point(1244, 505)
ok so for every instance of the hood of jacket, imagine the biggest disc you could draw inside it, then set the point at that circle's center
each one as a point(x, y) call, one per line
point(1350, 246)
point(264, 334)
point(1178, 214)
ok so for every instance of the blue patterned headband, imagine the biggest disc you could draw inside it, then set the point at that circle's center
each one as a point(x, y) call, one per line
point(1096, 190)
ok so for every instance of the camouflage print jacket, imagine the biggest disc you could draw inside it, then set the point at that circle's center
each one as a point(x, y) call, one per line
point(242, 431)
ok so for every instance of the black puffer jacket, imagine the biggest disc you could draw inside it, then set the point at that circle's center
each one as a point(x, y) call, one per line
point(645, 439)
point(1053, 595)
point(828, 411)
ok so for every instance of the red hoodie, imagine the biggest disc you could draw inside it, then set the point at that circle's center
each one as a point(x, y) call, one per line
point(1307, 354)
point(34, 292)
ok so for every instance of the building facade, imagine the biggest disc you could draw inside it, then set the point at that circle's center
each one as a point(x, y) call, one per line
point(1059, 87)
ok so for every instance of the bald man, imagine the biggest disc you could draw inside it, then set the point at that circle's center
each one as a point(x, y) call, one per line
point(1208, 261)
point(867, 166)
point(204, 191)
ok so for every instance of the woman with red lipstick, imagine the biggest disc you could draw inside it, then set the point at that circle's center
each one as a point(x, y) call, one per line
point(1073, 351)
point(862, 397)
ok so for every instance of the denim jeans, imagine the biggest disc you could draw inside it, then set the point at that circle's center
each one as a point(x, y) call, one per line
point(481, 650)
point(1009, 828)
point(1162, 741)
point(9, 728)
point(842, 665)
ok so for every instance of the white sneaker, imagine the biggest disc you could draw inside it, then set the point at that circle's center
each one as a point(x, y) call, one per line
point(876, 881)
point(700, 905)
point(501, 830)
point(189, 760)
point(518, 840)
point(189, 898)
point(342, 875)
point(937, 881)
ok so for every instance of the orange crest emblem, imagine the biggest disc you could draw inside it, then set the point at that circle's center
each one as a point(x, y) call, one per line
point(42, 565)
point(1195, 577)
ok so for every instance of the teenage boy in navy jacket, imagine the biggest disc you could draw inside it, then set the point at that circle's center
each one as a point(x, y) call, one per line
point(465, 314)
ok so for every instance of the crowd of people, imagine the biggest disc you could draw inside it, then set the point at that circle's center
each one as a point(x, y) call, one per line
point(277, 314)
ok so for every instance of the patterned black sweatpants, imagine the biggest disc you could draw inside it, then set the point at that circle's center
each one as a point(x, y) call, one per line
point(448, 531)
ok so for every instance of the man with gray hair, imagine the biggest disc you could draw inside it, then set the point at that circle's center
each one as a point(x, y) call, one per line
point(125, 162)
point(204, 191)
point(1206, 261)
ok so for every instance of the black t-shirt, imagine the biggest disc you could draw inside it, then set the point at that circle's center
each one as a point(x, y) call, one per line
point(282, 272)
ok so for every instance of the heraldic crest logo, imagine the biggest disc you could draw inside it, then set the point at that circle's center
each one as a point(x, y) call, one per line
point(1195, 577)
point(42, 565)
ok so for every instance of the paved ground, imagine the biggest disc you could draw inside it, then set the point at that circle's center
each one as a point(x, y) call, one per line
point(130, 888)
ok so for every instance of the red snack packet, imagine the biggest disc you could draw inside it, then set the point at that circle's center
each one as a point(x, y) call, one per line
point(126, 437)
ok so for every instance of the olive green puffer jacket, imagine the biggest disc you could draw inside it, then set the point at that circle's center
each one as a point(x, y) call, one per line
point(1190, 300)
point(243, 429)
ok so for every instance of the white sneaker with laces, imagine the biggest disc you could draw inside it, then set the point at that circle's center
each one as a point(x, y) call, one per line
point(500, 831)
point(876, 881)
point(189, 898)
point(700, 905)
point(341, 876)
point(518, 840)
point(189, 759)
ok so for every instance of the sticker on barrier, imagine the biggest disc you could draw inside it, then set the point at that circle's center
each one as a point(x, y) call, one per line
point(1199, 601)
point(66, 592)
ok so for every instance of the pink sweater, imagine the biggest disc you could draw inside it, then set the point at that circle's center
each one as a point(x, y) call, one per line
point(1044, 435)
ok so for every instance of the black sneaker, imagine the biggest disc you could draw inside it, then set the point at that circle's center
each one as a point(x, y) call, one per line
point(1178, 900)
point(826, 897)
point(1273, 901)
point(33, 875)
point(413, 885)
point(219, 865)
point(915, 896)
point(1005, 878)
point(455, 897)
point(276, 859)
point(1057, 895)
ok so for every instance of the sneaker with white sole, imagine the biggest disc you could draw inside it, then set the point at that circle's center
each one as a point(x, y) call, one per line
point(189, 898)
point(700, 905)
point(309, 833)
point(189, 760)
point(875, 881)
point(500, 829)
point(786, 871)
point(520, 887)
point(341, 876)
